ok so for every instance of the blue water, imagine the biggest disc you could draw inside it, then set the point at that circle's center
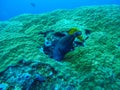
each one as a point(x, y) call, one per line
point(11, 8)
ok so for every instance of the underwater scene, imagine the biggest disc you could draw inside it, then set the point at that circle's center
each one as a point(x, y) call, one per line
point(60, 47)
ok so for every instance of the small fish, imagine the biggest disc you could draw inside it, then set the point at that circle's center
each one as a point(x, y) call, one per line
point(33, 4)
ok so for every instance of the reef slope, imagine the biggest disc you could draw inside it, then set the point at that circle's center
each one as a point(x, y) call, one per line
point(96, 66)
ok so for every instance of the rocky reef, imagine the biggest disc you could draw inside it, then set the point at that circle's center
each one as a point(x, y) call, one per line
point(96, 66)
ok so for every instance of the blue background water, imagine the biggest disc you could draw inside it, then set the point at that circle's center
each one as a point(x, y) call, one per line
point(10, 8)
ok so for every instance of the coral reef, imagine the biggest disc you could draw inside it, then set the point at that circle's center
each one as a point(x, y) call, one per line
point(96, 66)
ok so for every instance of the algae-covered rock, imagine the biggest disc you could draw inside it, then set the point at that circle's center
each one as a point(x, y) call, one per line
point(94, 66)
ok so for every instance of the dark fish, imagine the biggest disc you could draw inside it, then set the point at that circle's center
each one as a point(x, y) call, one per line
point(64, 45)
point(33, 4)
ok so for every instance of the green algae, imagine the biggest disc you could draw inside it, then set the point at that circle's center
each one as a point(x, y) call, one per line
point(85, 67)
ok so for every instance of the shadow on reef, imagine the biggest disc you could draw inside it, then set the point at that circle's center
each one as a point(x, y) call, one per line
point(58, 44)
point(26, 76)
